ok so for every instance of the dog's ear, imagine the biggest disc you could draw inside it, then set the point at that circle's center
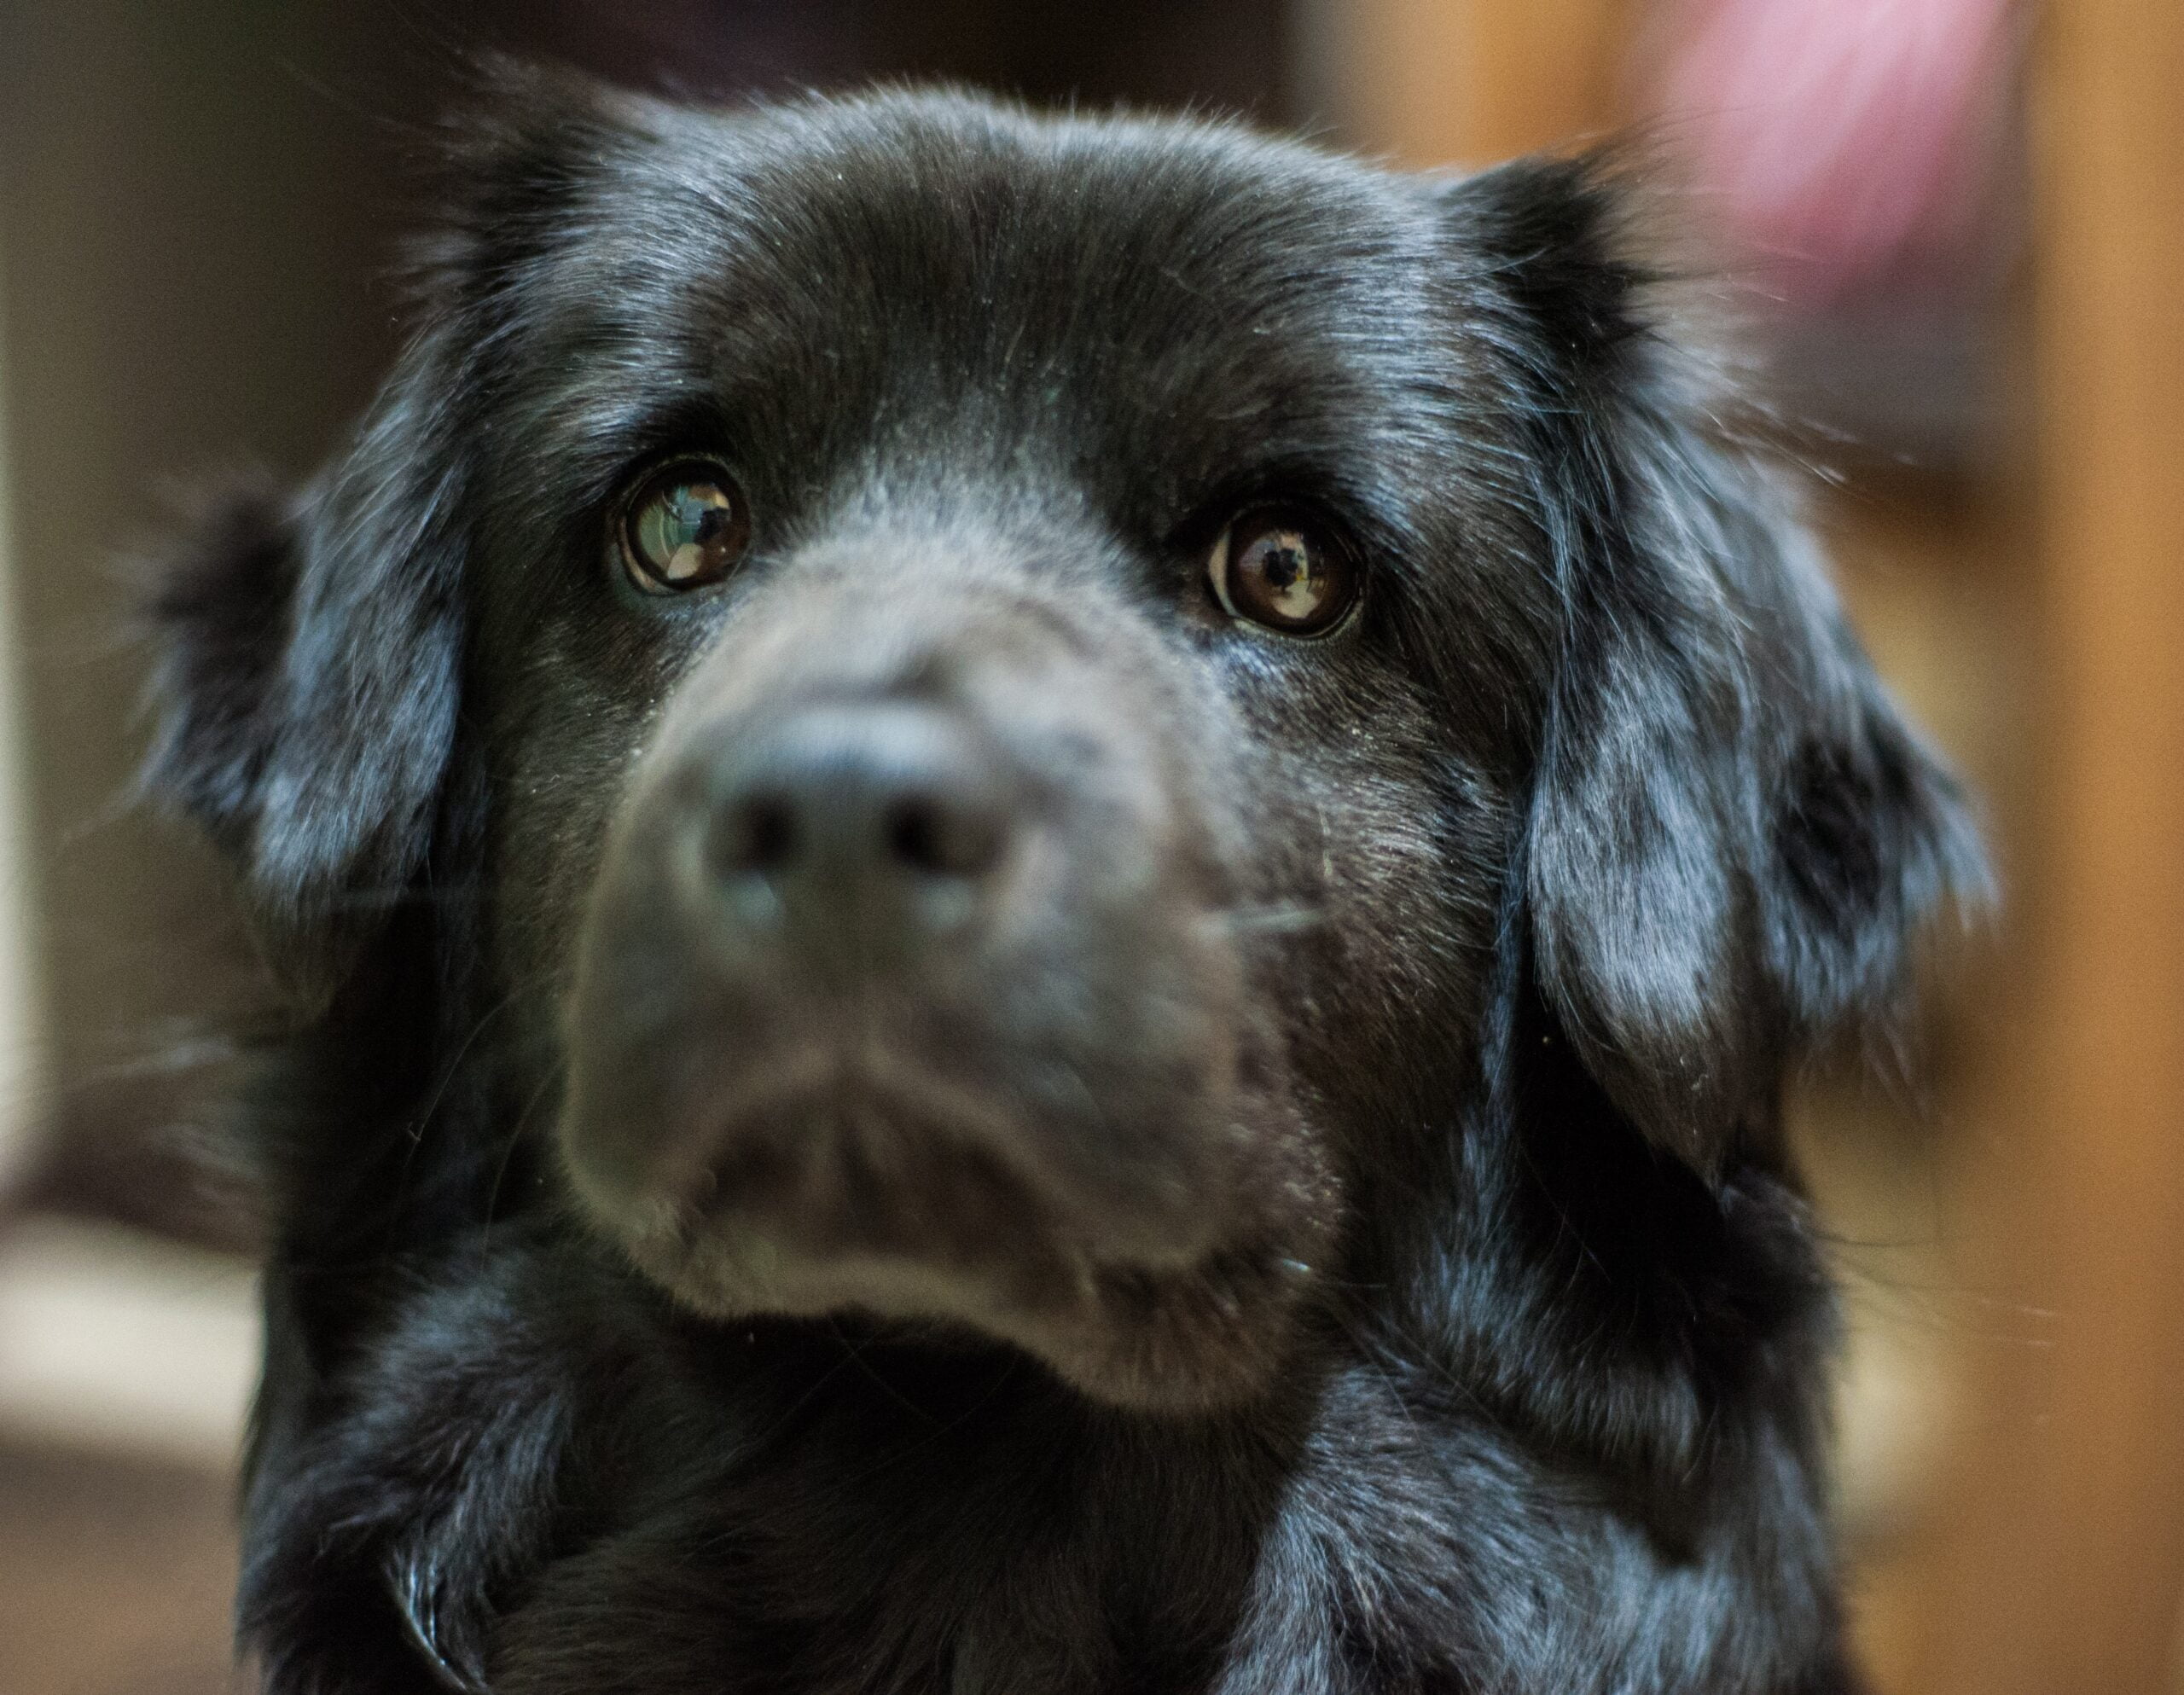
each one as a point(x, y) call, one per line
point(1733, 837)
point(306, 686)
point(310, 646)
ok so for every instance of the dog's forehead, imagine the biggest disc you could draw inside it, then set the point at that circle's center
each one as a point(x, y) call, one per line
point(832, 273)
point(917, 208)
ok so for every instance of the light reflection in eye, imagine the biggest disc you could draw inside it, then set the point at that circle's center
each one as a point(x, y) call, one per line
point(686, 528)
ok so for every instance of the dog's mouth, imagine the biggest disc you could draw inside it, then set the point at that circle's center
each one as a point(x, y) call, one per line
point(879, 1161)
point(822, 1181)
point(889, 1190)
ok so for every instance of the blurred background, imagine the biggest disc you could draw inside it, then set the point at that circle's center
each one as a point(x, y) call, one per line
point(1959, 226)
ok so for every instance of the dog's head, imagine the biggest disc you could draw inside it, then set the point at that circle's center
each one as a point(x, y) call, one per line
point(1019, 690)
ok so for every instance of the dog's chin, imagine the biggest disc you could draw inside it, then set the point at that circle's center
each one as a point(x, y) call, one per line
point(798, 1212)
point(1181, 1341)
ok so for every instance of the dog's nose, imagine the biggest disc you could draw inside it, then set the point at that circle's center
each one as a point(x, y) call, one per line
point(860, 825)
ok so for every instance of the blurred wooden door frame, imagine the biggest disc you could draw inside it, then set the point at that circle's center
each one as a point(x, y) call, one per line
point(2067, 1568)
point(1453, 82)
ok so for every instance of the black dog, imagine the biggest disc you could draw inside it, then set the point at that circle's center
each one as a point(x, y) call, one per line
point(1053, 877)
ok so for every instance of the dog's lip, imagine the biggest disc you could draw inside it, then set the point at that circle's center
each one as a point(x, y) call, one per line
point(834, 1190)
point(835, 1156)
point(1119, 1301)
point(884, 1131)
point(761, 1152)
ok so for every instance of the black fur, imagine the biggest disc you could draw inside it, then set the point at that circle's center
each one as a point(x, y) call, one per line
point(1491, 928)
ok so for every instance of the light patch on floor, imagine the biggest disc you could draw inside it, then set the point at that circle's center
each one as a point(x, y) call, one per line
point(112, 1341)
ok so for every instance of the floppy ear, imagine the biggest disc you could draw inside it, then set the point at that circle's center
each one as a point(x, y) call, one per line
point(306, 685)
point(1734, 839)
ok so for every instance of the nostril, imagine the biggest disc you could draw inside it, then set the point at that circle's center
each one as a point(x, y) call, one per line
point(849, 817)
point(931, 835)
point(757, 835)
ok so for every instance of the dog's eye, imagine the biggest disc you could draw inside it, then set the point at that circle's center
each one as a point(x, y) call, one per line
point(686, 527)
point(1279, 567)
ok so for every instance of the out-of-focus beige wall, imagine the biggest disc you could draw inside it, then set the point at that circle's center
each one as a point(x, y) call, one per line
point(22, 1083)
point(194, 209)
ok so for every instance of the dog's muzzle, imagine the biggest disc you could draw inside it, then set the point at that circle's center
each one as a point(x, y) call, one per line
point(905, 989)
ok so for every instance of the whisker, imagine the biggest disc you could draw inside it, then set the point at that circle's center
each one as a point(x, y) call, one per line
point(1277, 918)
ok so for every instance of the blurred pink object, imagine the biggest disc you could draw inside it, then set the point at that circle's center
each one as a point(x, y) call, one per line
point(1845, 141)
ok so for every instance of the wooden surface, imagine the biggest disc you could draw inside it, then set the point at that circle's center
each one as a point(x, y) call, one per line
point(114, 1577)
point(1441, 82)
point(2068, 1564)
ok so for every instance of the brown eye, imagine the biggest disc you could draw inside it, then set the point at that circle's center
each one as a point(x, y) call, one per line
point(686, 527)
point(1279, 567)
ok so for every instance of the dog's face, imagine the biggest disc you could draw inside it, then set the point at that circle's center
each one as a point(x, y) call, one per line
point(964, 748)
point(1021, 690)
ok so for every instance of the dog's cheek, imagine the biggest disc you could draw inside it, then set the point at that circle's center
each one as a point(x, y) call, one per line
point(628, 1031)
point(566, 729)
point(1388, 850)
